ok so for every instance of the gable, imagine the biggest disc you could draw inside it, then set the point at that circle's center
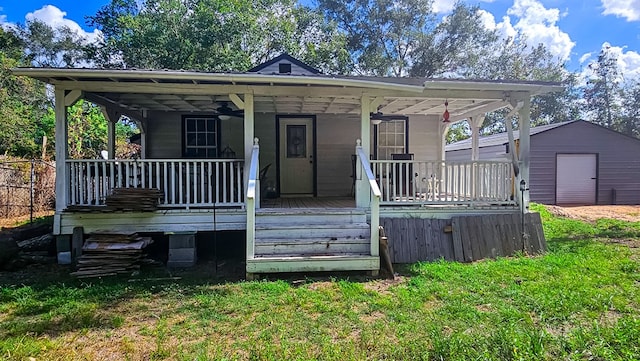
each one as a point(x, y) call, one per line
point(284, 64)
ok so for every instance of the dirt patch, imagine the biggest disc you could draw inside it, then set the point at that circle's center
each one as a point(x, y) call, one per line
point(593, 213)
point(382, 285)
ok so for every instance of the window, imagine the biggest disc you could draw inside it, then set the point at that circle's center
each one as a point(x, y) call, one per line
point(391, 138)
point(201, 137)
point(296, 141)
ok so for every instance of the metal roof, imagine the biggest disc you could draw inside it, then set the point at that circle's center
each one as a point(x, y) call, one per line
point(502, 138)
point(180, 90)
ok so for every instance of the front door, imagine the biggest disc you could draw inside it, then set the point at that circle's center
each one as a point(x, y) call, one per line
point(296, 156)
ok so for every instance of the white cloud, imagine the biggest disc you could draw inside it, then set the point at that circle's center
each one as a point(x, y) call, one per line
point(628, 62)
point(55, 18)
point(585, 57)
point(628, 9)
point(535, 23)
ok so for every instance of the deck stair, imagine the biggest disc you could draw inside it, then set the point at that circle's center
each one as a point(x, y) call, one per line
point(310, 239)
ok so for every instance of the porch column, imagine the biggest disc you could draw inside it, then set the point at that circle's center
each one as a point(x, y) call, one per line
point(362, 187)
point(443, 128)
point(524, 124)
point(475, 123)
point(248, 135)
point(62, 152)
point(111, 139)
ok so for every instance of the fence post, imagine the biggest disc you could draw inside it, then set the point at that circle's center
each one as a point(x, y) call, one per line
point(31, 193)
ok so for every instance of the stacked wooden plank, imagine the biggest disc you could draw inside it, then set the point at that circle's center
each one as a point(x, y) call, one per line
point(109, 254)
point(135, 199)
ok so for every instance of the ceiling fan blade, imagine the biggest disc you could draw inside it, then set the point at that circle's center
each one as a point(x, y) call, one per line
point(383, 117)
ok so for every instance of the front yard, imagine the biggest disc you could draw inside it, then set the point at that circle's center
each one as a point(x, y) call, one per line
point(580, 301)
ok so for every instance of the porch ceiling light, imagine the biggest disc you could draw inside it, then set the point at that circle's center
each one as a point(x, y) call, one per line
point(224, 117)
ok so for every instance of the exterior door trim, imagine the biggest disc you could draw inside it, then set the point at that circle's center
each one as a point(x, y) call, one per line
point(314, 148)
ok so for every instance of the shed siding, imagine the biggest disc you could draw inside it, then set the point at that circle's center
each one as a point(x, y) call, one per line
point(618, 161)
point(496, 152)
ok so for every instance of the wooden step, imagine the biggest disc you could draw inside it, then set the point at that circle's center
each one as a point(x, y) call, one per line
point(328, 231)
point(312, 246)
point(311, 216)
point(293, 263)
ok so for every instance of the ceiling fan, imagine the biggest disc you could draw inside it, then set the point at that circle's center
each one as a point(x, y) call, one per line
point(224, 111)
point(378, 117)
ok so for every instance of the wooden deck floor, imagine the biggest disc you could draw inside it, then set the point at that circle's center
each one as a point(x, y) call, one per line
point(309, 202)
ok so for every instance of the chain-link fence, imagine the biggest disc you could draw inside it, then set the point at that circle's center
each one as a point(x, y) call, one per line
point(27, 187)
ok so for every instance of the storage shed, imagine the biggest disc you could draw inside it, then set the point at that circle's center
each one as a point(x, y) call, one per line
point(572, 163)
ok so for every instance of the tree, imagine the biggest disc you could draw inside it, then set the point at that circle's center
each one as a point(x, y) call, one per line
point(458, 45)
point(46, 46)
point(382, 35)
point(213, 35)
point(602, 93)
point(630, 119)
point(23, 103)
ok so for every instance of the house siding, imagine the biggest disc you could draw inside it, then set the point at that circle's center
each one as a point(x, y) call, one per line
point(336, 136)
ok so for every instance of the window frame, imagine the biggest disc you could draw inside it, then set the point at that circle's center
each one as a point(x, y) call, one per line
point(376, 135)
point(218, 138)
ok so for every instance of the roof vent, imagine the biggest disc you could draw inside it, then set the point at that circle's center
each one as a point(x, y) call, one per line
point(284, 68)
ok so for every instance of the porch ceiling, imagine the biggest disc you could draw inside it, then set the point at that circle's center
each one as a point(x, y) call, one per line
point(187, 91)
point(291, 104)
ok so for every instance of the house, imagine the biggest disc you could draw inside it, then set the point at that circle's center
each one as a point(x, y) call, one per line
point(339, 156)
point(572, 163)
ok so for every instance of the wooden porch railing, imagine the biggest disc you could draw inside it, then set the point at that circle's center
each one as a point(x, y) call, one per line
point(253, 198)
point(375, 193)
point(444, 182)
point(184, 182)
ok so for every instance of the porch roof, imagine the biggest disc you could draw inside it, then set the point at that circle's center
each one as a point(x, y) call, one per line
point(188, 91)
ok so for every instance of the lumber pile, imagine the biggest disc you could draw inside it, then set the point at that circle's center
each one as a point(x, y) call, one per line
point(110, 254)
point(135, 199)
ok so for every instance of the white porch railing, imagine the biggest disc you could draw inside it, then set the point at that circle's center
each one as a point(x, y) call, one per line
point(184, 182)
point(366, 175)
point(444, 182)
point(253, 198)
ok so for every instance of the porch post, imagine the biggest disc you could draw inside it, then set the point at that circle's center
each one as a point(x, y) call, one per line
point(524, 119)
point(362, 188)
point(248, 135)
point(475, 123)
point(62, 152)
point(111, 139)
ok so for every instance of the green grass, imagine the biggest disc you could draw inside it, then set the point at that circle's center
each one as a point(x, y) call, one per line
point(580, 301)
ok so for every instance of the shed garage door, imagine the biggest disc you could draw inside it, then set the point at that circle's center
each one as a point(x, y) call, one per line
point(576, 179)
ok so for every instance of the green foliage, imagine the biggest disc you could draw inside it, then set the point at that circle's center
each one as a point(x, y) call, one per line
point(213, 35)
point(23, 103)
point(48, 46)
point(382, 35)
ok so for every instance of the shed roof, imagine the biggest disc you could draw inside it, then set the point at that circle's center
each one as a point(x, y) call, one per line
point(503, 138)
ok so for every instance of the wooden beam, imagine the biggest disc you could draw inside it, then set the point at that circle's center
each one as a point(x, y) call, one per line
point(363, 198)
point(248, 136)
point(62, 150)
point(375, 103)
point(262, 90)
point(524, 147)
point(236, 101)
point(72, 97)
point(109, 103)
point(481, 109)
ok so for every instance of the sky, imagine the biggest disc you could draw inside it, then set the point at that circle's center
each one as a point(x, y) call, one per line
point(574, 30)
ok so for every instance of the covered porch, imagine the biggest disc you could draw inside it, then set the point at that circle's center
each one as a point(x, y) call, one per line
point(285, 131)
